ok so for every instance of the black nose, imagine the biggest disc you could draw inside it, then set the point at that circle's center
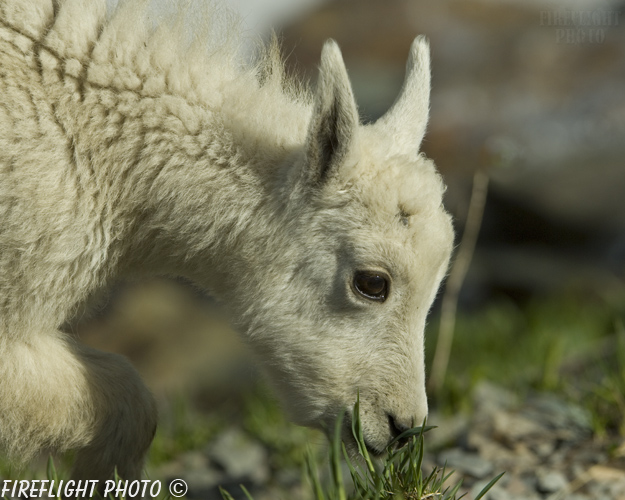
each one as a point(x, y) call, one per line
point(396, 427)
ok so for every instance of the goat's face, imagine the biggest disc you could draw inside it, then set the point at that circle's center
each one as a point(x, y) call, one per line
point(363, 246)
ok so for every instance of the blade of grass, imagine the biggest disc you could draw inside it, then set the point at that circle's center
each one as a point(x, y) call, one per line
point(225, 495)
point(359, 483)
point(52, 473)
point(335, 458)
point(247, 493)
point(452, 494)
point(488, 486)
point(411, 432)
point(362, 448)
point(358, 436)
point(313, 475)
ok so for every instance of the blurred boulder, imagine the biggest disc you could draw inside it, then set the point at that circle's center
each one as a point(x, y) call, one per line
point(179, 340)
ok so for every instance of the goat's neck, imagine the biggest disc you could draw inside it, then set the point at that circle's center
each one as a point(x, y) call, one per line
point(176, 188)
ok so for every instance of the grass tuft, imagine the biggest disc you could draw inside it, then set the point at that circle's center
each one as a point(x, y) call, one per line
point(399, 476)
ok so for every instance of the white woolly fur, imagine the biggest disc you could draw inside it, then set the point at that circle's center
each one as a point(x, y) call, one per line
point(129, 147)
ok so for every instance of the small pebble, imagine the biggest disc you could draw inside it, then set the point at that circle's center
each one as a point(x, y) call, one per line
point(550, 481)
point(239, 456)
point(469, 463)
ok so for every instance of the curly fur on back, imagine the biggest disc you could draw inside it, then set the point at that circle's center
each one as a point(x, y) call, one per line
point(129, 148)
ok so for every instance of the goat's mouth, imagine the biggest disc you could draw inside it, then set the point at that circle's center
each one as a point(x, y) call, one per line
point(398, 438)
point(393, 445)
point(354, 447)
point(374, 450)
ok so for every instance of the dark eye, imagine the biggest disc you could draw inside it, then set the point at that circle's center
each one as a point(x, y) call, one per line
point(372, 285)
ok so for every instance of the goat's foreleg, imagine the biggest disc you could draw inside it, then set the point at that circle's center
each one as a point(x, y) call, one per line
point(58, 395)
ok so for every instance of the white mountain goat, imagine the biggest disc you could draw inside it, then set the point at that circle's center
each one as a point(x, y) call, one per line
point(128, 149)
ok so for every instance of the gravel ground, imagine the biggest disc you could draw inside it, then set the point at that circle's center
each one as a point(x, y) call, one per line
point(544, 444)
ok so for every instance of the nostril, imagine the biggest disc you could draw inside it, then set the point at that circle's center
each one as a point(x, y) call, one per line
point(396, 427)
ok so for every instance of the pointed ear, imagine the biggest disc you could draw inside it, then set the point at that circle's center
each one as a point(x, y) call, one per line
point(335, 117)
point(407, 118)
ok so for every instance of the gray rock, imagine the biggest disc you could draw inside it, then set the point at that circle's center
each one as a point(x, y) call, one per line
point(193, 460)
point(591, 455)
point(469, 463)
point(448, 433)
point(488, 397)
point(498, 492)
point(195, 469)
point(560, 414)
point(550, 481)
point(202, 479)
point(239, 456)
point(543, 448)
point(511, 427)
point(289, 476)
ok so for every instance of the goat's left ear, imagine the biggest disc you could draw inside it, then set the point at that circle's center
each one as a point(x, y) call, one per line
point(335, 117)
point(407, 119)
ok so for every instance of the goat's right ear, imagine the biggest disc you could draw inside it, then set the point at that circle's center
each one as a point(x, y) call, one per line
point(334, 120)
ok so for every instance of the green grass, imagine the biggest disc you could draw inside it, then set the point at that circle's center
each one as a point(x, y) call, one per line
point(399, 476)
point(181, 428)
point(602, 387)
point(288, 444)
point(573, 345)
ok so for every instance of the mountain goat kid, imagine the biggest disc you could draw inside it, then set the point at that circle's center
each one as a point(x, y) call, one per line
point(128, 149)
